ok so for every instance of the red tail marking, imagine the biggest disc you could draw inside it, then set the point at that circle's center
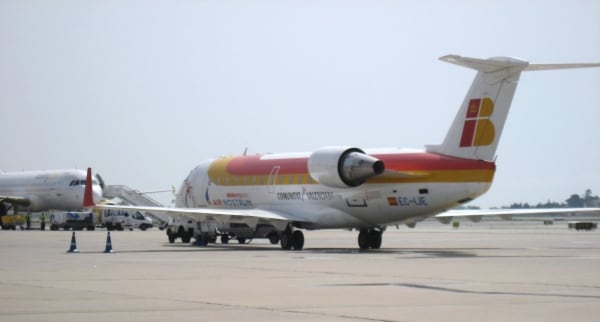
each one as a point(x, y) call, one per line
point(88, 198)
point(468, 132)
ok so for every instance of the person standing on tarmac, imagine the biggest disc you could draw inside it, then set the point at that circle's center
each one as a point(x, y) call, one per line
point(28, 220)
point(43, 221)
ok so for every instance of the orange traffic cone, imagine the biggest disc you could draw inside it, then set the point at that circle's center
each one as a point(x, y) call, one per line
point(108, 248)
point(73, 247)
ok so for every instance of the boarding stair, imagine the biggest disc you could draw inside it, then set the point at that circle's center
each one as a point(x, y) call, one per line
point(135, 198)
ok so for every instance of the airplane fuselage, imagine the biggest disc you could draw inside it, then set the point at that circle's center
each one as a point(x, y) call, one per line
point(415, 185)
point(46, 190)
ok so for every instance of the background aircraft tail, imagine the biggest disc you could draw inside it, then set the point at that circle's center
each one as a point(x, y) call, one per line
point(477, 127)
point(88, 198)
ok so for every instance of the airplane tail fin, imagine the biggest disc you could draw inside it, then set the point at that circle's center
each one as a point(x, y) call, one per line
point(477, 127)
point(88, 197)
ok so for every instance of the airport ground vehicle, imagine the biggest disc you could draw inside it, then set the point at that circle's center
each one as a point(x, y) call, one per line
point(73, 220)
point(12, 221)
point(181, 227)
point(123, 219)
point(186, 229)
point(582, 225)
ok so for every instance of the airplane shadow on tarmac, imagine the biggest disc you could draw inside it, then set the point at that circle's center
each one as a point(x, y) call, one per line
point(405, 253)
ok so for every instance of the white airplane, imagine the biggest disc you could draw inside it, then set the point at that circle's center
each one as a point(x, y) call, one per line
point(274, 195)
point(36, 191)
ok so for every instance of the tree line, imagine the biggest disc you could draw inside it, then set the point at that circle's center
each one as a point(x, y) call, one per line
point(574, 201)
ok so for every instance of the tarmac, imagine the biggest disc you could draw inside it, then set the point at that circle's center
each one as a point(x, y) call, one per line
point(491, 271)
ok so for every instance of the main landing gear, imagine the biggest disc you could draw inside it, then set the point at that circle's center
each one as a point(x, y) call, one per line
point(292, 239)
point(369, 238)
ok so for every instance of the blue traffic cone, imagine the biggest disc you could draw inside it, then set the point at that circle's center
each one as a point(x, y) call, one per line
point(73, 247)
point(108, 248)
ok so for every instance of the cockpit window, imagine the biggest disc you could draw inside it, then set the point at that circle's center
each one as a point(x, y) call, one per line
point(82, 183)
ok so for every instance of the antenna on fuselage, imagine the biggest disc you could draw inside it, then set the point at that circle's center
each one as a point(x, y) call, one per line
point(245, 151)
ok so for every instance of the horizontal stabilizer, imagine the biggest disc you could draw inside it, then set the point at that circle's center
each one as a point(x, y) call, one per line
point(484, 65)
point(535, 67)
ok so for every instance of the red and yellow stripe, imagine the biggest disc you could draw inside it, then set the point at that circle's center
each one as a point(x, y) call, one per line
point(400, 168)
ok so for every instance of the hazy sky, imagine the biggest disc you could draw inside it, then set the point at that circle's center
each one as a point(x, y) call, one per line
point(144, 90)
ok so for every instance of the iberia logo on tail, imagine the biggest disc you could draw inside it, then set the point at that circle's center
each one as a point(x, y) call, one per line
point(478, 129)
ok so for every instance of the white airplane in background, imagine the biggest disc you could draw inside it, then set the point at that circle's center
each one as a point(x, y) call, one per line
point(274, 195)
point(36, 191)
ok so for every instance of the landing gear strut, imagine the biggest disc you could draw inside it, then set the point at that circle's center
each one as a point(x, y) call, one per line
point(292, 239)
point(369, 238)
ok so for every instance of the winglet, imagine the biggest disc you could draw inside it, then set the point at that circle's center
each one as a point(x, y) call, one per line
point(88, 198)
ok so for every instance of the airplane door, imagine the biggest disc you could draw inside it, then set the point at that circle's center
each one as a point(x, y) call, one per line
point(273, 178)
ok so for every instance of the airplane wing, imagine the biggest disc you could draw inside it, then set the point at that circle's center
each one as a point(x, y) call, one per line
point(476, 214)
point(16, 200)
point(204, 214)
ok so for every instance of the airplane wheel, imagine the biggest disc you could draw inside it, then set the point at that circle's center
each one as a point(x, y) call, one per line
point(375, 239)
point(286, 240)
point(298, 240)
point(363, 239)
point(242, 240)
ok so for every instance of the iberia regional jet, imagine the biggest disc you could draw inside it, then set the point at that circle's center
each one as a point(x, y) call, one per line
point(275, 196)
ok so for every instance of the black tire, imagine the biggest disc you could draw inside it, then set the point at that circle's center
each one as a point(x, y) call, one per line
point(241, 240)
point(143, 227)
point(298, 240)
point(286, 240)
point(171, 238)
point(224, 239)
point(273, 238)
point(53, 227)
point(363, 239)
point(186, 238)
point(375, 239)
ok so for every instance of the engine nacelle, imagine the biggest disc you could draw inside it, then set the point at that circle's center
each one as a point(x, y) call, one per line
point(343, 167)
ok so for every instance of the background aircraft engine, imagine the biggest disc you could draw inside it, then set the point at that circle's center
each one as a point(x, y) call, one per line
point(343, 167)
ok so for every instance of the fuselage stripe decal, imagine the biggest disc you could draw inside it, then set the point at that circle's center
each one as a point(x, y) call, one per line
point(252, 170)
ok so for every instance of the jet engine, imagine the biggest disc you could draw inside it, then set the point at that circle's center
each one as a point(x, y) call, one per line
point(343, 167)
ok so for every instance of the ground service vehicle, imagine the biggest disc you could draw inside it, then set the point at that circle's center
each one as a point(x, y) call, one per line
point(73, 220)
point(181, 227)
point(12, 221)
point(125, 219)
